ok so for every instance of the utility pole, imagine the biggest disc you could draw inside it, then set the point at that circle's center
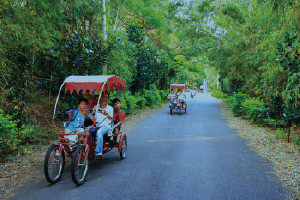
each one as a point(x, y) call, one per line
point(104, 69)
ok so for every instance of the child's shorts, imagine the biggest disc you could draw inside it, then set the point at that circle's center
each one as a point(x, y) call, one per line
point(73, 138)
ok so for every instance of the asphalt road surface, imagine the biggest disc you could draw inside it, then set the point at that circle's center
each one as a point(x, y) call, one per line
point(188, 156)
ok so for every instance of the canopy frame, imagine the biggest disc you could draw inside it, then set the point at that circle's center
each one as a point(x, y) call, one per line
point(98, 83)
point(177, 86)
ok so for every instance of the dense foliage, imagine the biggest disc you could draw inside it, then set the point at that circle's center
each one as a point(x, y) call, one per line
point(253, 45)
point(259, 53)
point(43, 42)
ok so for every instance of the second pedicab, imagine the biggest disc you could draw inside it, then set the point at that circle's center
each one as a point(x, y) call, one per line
point(177, 104)
point(85, 142)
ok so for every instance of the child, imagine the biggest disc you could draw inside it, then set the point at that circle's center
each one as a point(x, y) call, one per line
point(172, 96)
point(181, 98)
point(119, 115)
point(77, 120)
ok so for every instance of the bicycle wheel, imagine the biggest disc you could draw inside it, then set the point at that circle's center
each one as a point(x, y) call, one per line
point(53, 165)
point(79, 170)
point(171, 111)
point(124, 148)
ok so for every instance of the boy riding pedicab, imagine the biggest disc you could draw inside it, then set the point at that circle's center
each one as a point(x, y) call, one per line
point(77, 118)
point(173, 98)
point(181, 98)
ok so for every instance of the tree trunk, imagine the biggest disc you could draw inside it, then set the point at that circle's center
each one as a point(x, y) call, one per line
point(104, 69)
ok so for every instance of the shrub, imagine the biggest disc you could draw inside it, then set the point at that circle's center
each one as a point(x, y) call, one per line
point(163, 95)
point(235, 103)
point(251, 108)
point(11, 138)
point(123, 104)
point(29, 133)
point(150, 98)
point(130, 103)
point(280, 133)
point(274, 122)
point(218, 94)
point(153, 98)
point(140, 102)
point(8, 133)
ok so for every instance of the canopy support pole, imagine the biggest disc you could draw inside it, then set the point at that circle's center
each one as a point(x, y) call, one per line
point(57, 98)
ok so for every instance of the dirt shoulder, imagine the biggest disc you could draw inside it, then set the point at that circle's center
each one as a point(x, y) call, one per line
point(284, 156)
point(26, 168)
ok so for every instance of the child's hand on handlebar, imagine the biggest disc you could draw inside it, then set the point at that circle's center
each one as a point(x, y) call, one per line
point(104, 112)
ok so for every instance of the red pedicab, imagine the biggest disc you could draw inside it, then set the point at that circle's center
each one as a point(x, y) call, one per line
point(176, 104)
point(55, 157)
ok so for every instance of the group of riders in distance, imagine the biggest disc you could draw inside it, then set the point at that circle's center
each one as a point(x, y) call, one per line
point(94, 128)
point(177, 100)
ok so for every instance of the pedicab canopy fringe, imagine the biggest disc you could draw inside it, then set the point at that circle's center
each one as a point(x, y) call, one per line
point(94, 83)
point(178, 86)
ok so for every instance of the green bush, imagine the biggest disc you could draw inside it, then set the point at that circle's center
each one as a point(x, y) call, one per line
point(153, 98)
point(130, 103)
point(274, 122)
point(164, 95)
point(150, 98)
point(123, 104)
point(251, 108)
point(140, 102)
point(235, 103)
point(29, 133)
point(11, 137)
point(280, 133)
point(218, 94)
point(8, 133)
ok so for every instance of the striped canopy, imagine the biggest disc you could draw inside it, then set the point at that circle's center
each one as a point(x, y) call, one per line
point(178, 86)
point(94, 83)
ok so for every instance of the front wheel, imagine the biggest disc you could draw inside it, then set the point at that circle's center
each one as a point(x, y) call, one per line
point(171, 111)
point(124, 148)
point(53, 164)
point(79, 169)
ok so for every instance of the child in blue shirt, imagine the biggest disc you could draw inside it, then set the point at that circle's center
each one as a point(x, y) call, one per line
point(78, 117)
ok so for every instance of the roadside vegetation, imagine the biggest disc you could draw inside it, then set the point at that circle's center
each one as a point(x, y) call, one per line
point(254, 46)
point(262, 114)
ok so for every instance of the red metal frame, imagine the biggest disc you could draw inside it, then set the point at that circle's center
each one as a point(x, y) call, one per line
point(86, 142)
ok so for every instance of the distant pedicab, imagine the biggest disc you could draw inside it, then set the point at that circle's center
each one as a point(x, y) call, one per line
point(176, 103)
point(85, 143)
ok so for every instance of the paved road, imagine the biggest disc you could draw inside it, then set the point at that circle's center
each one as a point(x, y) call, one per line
point(188, 156)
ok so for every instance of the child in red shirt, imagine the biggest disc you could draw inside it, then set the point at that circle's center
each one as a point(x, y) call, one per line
point(119, 115)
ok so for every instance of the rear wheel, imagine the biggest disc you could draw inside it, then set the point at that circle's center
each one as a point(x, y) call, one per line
point(124, 148)
point(53, 165)
point(79, 170)
point(185, 108)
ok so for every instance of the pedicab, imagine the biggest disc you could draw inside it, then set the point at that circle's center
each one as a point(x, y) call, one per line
point(85, 144)
point(176, 104)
